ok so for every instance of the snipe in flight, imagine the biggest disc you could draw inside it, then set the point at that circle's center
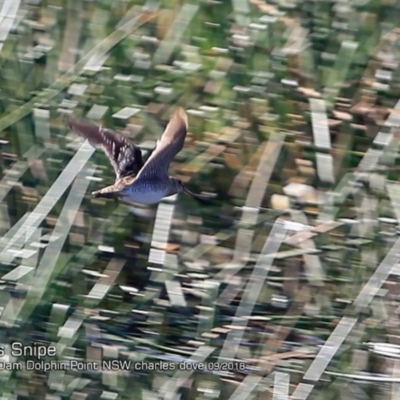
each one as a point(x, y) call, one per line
point(138, 182)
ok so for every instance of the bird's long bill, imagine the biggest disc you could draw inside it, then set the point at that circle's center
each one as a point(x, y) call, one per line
point(204, 199)
point(108, 192)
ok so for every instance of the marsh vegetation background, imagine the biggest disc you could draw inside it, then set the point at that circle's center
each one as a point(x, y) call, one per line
point(289, 277)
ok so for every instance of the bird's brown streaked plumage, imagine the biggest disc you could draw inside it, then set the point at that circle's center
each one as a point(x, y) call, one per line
point(125, 157)
point(138, 183)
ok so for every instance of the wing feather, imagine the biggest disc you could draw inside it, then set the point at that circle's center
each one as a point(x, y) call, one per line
point(125, 157)
point(169, 145)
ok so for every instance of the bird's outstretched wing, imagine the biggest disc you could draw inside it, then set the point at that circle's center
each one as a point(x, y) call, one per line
point(171, 143)
point(125, 157)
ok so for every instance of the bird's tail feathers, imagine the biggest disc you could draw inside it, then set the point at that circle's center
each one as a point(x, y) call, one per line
point(202, 198)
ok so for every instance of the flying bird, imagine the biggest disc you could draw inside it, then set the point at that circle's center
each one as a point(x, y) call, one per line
point(138, 182)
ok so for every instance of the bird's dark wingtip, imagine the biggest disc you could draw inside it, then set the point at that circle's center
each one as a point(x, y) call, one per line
point(181, 114)
point(71, 121)
point(66, 118)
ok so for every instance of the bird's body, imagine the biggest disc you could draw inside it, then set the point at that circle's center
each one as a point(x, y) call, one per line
point(155, 191)
point(136, 182)
point(141, 191)
point(135, 194)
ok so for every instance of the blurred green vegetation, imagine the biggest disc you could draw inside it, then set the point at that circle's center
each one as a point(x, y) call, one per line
point(293, 125)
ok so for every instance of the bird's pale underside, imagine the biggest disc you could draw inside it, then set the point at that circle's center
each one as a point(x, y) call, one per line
point(138, 182)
